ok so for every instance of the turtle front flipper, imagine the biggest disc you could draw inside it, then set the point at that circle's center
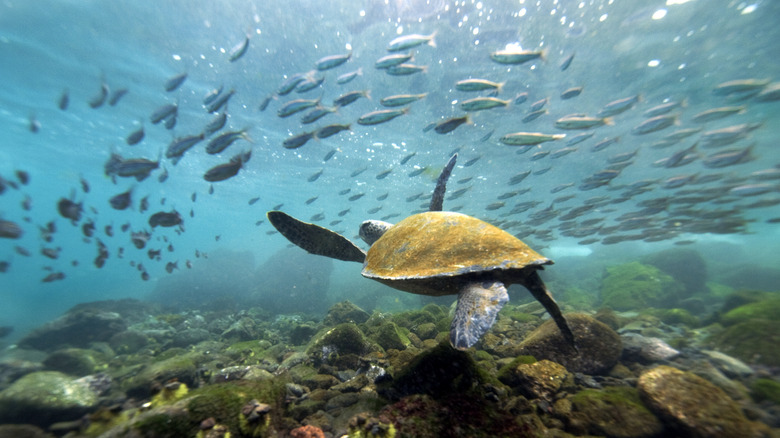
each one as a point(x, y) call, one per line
point(478, 306)
point(437, 201)
point(316, 239)
point(538, 289)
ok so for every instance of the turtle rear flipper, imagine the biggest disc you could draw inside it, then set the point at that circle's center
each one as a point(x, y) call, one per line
point(536, 286)
point(478, 306)
point(315, 239)
point(437, 201)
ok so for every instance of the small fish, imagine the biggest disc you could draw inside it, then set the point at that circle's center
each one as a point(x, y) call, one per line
point(330, 130)
point(654, 124)
point(449, 125)
point(349, 77)
point(296, 105)
point(561, 187)
point(717, 113)
point(227, 170)
point(265, 102)
point(405, 69)
point(215, 124)
point(289, 85)
point(116, 96)
point(356, 196)
point(170, 266)
point(727, 135)
point(311, 200)
point(309, 83)
point(472, 161)
point(163, 176)
point(88, 228)
point(178, 146)
point(69, 209)
point(54, 276)
point(358, 172)
point(516, 56)
point(728, 158)
point(329, 155)
point(136, 136)
point(164, 112)
point(382, 116)
point(539, 104)
point(740, 86)
point(521, 98)
point(619, 106)
point(317, 217)
point(539, 155)
point(165, 219)
point(220, 101)
point(222, 141)
point(239, 50)
point(213, 94)
point(33, 124)
point(347, 98)
point(579, 121)
point(567, 62)
point(10, 230)
point(299, 140)
point(332, 61)
point(409, 41)
point(343, 213)
point(603, 144)
point(317, 113)
point(254, 200)
point(392, 60)
point(571, 92)
point(374, 210)
point(482, 103)
point(562, 152)
point(175, 81)
point(486, 137)
point(109, 230)
point(344, 191)
point(664, 108)
point(417, 171)
point(64, 100)
point(478, 85)
point(533, 115)
point(401, 99)
point(528, 138)
point(315, 176)
point(121, 201)
point(98, 100)
point(495, 206)
point(383, 174)
point(406, 159)
point(752, 190)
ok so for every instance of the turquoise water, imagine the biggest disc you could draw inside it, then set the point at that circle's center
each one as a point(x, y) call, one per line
point(676, 51)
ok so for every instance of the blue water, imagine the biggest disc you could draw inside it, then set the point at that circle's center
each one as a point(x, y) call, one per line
point(674, 51)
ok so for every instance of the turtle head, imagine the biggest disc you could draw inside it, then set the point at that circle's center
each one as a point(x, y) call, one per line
point(372, 230)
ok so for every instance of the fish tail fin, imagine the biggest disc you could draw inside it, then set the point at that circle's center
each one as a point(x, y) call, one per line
point(500, 87)
point(432, 40)
point(543, 54)
point(367, 94)
point(609, 121)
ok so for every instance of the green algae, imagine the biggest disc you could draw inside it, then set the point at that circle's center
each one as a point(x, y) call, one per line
point(614, 412)
point(765, 389)
point(768, 308)
point(635, 286)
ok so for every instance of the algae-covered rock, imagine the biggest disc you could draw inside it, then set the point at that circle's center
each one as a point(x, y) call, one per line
point(615, 412)
point(344, 339)
point(128, 341)
point(74, 361)
point(343, 312)
point(77, 328)
point(685, 265)
point(541, 379)
point(390, 336)
point(691, 404)
point(599, 346)
point(753, 341)
point(45, 397)
point(179, 368)
point(634, 286)
point(768, 308)
point(22, 431)
point(765, 389)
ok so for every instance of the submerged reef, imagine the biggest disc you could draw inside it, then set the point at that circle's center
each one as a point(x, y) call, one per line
point(373, 374)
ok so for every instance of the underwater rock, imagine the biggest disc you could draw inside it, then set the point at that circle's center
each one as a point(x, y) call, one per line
point(750, 277)
point(614, 412)
point(187, 337)
point(542, 380)
point(249, 372)
point(74, 361)
point(307, 431)
point(245, 329)
point(730, 366)
point(439, 371)
point(22, 431)
point(638, 348)
point(599, 346)
point(177, 368)
point(77, 328)
point(128, 342)
point(45, 397)
point(753, 341)
point(685, 265)
point(768, 308)
point(390, 336)
point(346, 339)
point(633, 286)
point(343, 312)
point(692, 405)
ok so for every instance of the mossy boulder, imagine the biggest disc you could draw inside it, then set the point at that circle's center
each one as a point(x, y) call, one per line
point(390, 336)
point(763, 309)
point(599, 346)
point(179, 368)
point(691, 405)
point(128, 341)
point(45, 397)
point(765, 389)
point(634, 286)
point(78, 328)
point(542, 380)
point(340, 345)
point(685, 265)
point(615, 412)
point(74, 361)
point(753, 341)
point(676, 316)
point(343, 312)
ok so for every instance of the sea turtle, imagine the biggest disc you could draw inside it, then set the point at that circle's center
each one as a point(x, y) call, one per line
point(438, 253)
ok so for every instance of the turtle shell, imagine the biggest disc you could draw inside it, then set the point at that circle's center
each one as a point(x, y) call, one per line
point(430, 252)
